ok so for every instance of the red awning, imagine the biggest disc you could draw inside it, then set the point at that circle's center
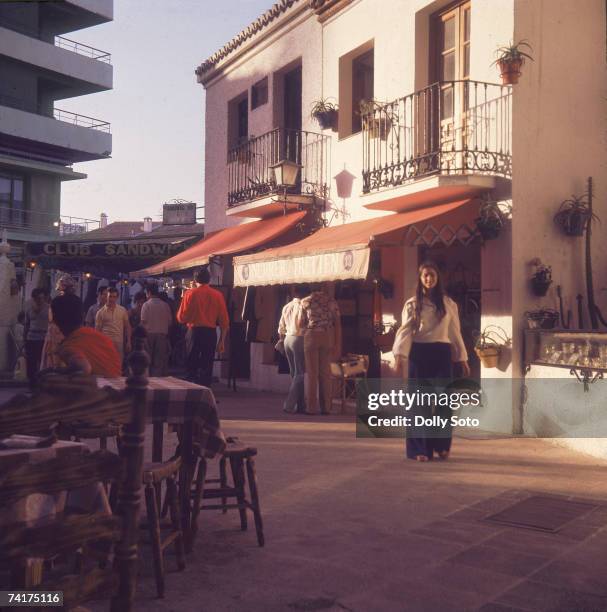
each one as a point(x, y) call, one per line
point(229, 241)
point(332, 253)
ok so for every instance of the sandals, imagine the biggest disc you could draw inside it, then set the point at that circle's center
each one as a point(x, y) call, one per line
point(421, 458)
point(443, 455)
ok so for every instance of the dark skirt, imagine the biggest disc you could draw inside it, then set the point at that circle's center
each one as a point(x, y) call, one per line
point(429, 361)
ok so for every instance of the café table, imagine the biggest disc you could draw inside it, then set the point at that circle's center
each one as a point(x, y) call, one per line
point(193, 409)
point(38, 508)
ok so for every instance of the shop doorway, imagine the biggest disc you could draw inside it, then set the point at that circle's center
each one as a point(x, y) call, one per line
point(461, 272)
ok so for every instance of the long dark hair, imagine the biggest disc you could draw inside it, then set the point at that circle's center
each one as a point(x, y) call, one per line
point(435, 295)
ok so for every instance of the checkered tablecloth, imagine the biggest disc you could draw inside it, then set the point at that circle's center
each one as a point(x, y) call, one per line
point(176, 401)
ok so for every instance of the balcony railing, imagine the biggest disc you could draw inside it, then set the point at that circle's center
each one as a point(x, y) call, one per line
point(60, 41)
point(249, 165)
point(81, 120)
point(451, 127)
point(82, 49)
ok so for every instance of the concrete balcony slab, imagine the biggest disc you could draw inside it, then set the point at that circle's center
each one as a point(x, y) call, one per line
point(43, 138)
point(77, 74)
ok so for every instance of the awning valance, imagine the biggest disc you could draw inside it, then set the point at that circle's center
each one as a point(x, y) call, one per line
point(332, 253)
point(227, 241)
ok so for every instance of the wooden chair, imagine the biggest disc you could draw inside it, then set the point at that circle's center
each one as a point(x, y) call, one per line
point(240, 457)
point(69, 400)
point(153, 476)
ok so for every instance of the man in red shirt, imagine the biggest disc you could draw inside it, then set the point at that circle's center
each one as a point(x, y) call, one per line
point(203, 309)
point(83, 348)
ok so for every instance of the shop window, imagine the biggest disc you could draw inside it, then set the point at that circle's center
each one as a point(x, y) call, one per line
point(259, 93)
point(238, 120)
point(12, 201)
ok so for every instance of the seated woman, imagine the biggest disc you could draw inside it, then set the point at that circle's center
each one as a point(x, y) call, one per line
point(83, 348)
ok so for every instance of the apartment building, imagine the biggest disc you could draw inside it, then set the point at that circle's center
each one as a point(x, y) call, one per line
point(404, 179)
point(40, 66)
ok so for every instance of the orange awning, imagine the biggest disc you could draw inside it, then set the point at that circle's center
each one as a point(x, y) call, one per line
point(227, 241)
point(332, 253)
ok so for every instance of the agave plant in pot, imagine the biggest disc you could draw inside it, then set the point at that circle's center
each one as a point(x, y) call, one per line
point(541, 279)
point(326, 113)
point(573, 216)
point(490, 221)
point(489, 343)
point(510, 60)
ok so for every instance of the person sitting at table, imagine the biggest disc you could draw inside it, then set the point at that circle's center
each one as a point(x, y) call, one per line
point(83, 349)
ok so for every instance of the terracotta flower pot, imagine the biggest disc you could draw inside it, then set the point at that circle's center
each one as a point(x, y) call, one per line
point(510, 71)
point(489, 356)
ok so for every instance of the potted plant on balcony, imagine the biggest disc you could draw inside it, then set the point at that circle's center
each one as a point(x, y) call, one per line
point(325, 112)
point(377, 118)
point(489, 343)
point(510, 60)
point(541, 279)
point(573, 215)
point(490, 221)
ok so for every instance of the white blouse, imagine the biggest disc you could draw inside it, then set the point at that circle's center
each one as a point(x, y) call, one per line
point(431, 329)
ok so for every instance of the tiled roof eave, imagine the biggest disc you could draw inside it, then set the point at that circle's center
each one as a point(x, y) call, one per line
point(269, 17)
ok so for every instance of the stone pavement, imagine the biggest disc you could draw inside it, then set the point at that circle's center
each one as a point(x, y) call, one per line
point(351, 525)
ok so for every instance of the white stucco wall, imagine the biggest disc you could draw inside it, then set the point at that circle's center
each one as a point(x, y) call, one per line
point(302, 43)
point(559, 120)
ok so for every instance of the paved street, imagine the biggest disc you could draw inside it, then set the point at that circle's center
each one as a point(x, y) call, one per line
point(351, 525)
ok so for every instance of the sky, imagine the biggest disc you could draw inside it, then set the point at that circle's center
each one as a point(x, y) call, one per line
point(156, 108)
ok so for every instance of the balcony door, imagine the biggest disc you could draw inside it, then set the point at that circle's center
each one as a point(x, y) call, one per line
point(291, 145)
point(451, 70)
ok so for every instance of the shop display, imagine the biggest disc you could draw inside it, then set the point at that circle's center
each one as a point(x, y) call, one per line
point(566, 348)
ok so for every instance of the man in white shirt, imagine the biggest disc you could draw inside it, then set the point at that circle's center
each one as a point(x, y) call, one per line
point(290, 329)
point(157, 318)
point(113, 321)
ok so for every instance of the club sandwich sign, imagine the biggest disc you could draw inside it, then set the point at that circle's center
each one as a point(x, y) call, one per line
point(145, 250)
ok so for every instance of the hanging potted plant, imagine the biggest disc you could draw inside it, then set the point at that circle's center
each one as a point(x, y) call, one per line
point(326, 113)
point(573, 215)
point(489, 343)
point(541, 279)
point(490, 221)
point(377, 118)
point(510, 61)
point(542, 318)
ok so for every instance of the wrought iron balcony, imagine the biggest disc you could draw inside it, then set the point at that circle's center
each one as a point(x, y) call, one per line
point(450, 127)
point(250, 174)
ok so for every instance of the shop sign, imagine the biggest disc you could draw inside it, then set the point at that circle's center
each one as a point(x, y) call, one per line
point(181, 213)
point(332, 266)
point(84, 249)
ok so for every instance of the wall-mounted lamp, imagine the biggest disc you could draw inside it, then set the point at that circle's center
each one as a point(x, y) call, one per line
point(285, 176)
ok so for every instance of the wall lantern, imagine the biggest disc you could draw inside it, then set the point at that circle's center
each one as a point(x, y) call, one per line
point(285, 173)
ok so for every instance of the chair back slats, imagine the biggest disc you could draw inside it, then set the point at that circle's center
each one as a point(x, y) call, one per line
point(68, 401)
point(65, 535)
point(62, 473)
point(39, 414)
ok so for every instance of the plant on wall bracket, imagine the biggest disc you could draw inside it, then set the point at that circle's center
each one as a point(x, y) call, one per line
point(326, 113)
point(573, 215)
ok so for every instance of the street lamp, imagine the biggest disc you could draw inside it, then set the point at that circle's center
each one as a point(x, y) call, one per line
point(285, 176)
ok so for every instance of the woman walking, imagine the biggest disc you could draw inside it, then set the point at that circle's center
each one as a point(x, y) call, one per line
point(428, 342)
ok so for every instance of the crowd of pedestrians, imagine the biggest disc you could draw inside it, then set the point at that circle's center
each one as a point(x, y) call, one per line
point(59, 333)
